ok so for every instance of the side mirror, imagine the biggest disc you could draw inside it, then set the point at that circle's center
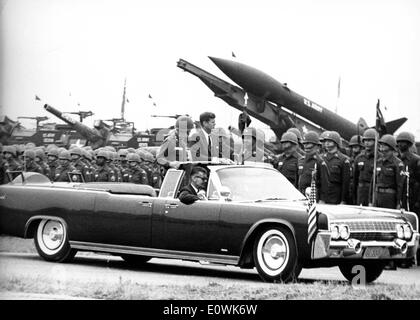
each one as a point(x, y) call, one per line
point(225, 193)
point(308, 192)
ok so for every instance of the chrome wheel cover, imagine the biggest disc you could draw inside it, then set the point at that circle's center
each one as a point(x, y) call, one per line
point(51, 236)
point(273, 252)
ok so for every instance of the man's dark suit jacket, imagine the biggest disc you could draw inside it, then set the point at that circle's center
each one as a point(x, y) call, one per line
point(188, 195)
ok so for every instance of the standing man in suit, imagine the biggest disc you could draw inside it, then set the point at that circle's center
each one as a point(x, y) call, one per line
point(196, 190)
point(202, 143)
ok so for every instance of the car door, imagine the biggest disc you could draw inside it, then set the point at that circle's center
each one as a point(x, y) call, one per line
point(193, 227)
point(120, 219)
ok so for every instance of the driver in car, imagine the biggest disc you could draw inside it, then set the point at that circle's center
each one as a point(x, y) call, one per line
point(196, 190)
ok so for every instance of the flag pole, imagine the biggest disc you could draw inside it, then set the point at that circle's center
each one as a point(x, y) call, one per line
point(375, 158)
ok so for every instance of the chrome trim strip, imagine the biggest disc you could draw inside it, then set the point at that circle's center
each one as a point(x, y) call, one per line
point(158, 253)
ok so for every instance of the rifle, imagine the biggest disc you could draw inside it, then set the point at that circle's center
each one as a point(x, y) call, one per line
point(408, 187)
point(375, 158)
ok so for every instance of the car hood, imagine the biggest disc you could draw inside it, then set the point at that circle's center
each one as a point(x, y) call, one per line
point(338, 212)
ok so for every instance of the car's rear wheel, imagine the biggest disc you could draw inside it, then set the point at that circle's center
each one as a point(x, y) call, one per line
point(135, 260)
point(275, 255)
point(371, 270)
point(51, 241)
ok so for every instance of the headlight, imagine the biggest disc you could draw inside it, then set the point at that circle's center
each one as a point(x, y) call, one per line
point(407, 232)
point(335, 232)
point(400, 231)
point(344, 231)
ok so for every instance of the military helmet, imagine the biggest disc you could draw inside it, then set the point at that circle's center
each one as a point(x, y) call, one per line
point(30, 153)
point(355, 141)
point(133, 157)
point(333, 136)
point(110, 148)
point(289, 137)
point(122, 153)
point(53, 152)
point(64, 155)
point(310, 137)
point(369, 134)
point(30, 145)
point(184, 121)
point(87, 154)
point(131, 150)
point(10, 149)
point(405, 136)
point(40, 153)
point(389, 140)
point(103, 153)
point(76, 150)
point(296, 132)
point(148, 156)
point(322, 136)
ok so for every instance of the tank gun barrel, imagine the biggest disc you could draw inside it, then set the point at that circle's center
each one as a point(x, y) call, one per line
point(97, 138)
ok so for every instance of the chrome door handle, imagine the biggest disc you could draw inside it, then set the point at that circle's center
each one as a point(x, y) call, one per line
point(146, 204)
point(171, 205)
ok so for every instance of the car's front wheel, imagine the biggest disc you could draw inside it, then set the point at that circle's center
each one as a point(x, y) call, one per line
point(275, 255)
point(51, 241)
point(367, 272)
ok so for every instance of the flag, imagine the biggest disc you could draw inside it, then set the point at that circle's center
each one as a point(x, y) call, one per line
point(233, 55)
point(244, 120)
point(150, 97)
point(154, 104)
point(128, 101)
point(380, 121)
point(37, 98)
point(312, 213)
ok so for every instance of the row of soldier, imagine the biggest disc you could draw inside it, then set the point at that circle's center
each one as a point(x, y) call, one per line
point(100, 165)
point(349, 179)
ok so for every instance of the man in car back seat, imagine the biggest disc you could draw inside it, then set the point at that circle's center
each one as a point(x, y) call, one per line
point(196, 190)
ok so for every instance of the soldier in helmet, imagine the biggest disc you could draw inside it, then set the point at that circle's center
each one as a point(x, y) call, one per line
point(335, 172)
point(30, 164)
point(174, 149)
point(104, 173)
point(76, 158)
point(356, 147)
point(136, 174)
point(307, 163)
point(65, 167)
point(52, 161)
point(40, 160)
point(299, 148)
point(363, 168)
point(9, 163)
point(405, 141)
point(389, 181)
point(113, 158)
point(288, 160)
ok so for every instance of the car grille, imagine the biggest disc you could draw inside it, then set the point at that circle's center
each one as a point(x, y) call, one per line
point(373, 236)
point(371, 226)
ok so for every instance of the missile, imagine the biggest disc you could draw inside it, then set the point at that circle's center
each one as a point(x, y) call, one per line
point(267, 88)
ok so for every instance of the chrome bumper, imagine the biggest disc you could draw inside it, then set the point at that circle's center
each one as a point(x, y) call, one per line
point(324, 247)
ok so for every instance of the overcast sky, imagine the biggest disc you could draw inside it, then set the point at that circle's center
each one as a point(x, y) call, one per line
point(73, 51)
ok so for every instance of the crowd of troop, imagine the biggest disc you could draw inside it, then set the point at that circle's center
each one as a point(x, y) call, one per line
point(81, 164)
point(342, 175)
point(351, 176)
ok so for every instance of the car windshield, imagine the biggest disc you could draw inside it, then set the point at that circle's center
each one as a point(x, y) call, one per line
point(253, 184)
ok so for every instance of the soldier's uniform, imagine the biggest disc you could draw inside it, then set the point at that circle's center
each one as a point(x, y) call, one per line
point(125, 173)
point(30, 164)
point(412, 174)
point(389, 177)
point(138, 175)
point(61, 173)
point(84, 169)
point(335, 178)
point(362, 177)
point(288, 166)
point(306, 166)
point(389, 182)
point(105, 174)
